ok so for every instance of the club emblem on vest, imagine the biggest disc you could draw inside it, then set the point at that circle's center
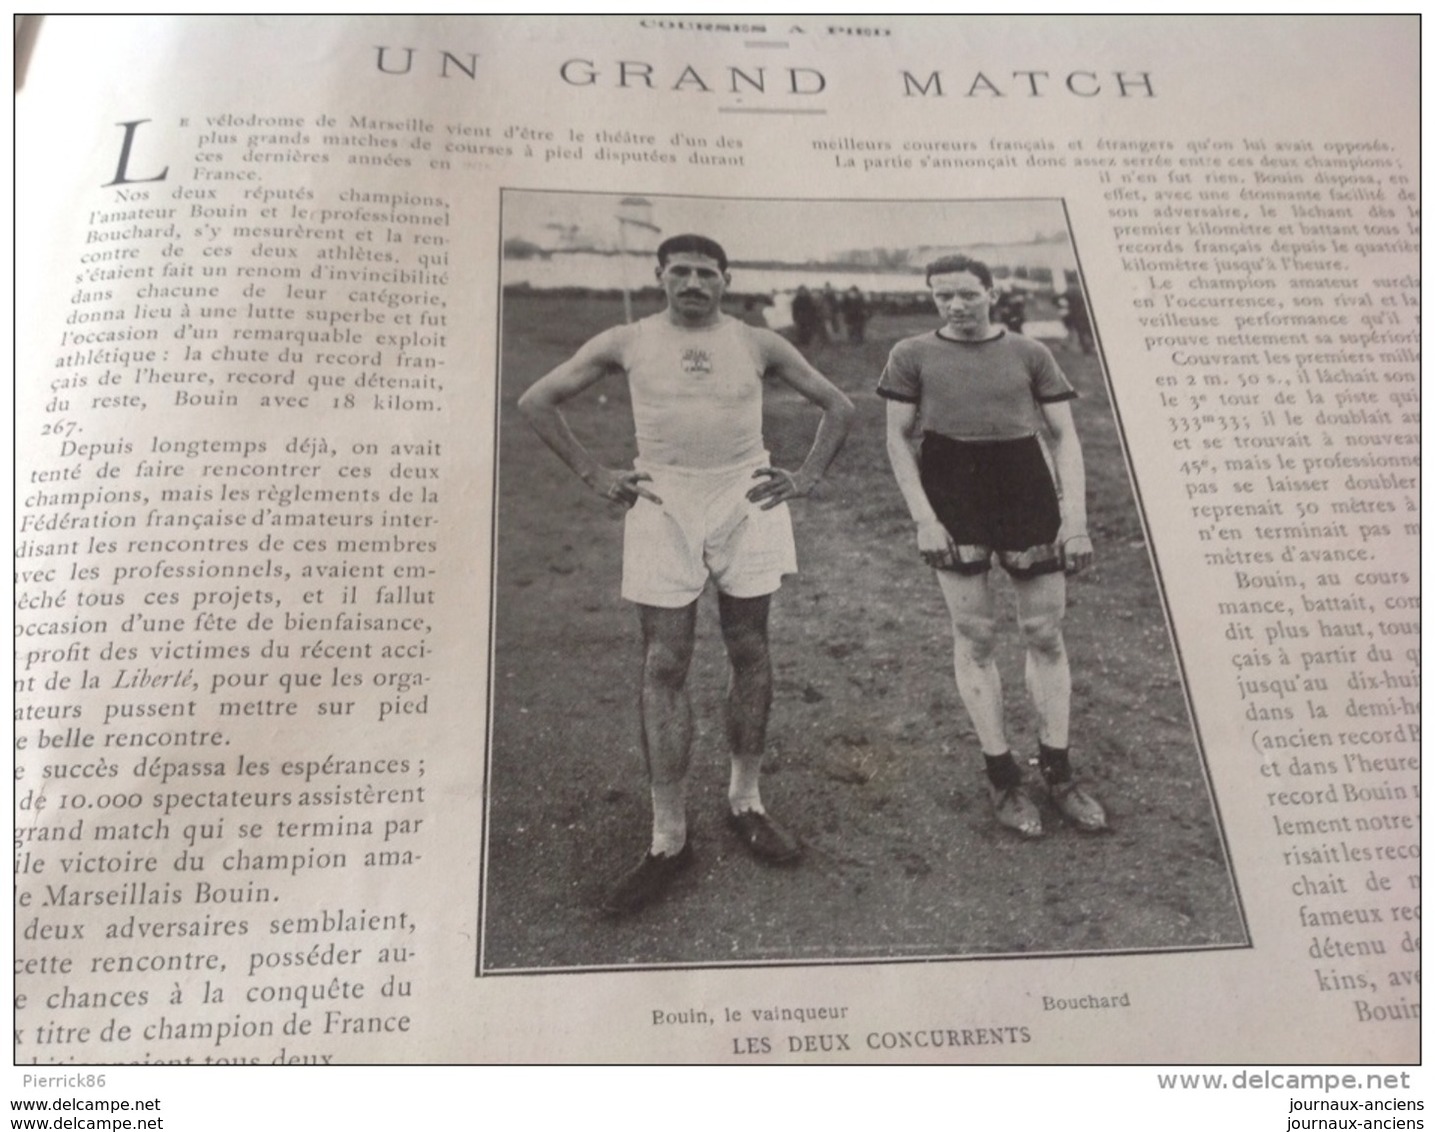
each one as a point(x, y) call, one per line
point(697, 362)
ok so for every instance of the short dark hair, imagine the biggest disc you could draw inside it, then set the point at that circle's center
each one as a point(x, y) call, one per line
point(951, 264)
point(696, 245)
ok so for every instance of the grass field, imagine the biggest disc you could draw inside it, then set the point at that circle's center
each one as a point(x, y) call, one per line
point(872, 761)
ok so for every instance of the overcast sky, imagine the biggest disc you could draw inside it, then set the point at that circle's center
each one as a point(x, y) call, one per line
point(792, 231)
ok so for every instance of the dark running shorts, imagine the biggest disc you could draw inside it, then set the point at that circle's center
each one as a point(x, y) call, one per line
point(994, 496)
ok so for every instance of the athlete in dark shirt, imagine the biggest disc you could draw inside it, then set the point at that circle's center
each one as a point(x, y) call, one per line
point(966, 405)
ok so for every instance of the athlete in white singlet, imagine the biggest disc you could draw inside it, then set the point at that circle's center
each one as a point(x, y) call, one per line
point(704, 503)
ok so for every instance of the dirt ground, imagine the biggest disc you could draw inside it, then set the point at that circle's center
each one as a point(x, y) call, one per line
point(872, 760)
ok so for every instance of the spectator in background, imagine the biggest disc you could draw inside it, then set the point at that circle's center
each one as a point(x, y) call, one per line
point(831, 313)
point(854, 314)
point(1078, 323)
point(805, 315)
point(1010, 309)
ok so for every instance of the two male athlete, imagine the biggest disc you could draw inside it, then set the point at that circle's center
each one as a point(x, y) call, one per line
point(966, 404)
point(705, 503)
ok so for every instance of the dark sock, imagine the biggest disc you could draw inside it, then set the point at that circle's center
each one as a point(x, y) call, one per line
point(1002, 771)
point(1055, 764)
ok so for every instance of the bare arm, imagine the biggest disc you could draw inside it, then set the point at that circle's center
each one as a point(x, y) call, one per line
point(787, 365)
point(1066, 453)
point(540, 406)
point(903, 431)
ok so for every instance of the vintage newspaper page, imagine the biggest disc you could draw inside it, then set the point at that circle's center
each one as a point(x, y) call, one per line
point(344, 701)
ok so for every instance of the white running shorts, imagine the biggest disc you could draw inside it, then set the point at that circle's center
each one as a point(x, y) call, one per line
point(704, 528)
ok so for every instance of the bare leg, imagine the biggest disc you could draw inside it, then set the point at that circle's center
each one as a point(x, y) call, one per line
point(749, 694)
point(973, 612)
point(1041, 606)
point(667, 718)
point(749, 699)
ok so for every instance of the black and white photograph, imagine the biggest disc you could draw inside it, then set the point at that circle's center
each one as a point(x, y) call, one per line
point(826, 628)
